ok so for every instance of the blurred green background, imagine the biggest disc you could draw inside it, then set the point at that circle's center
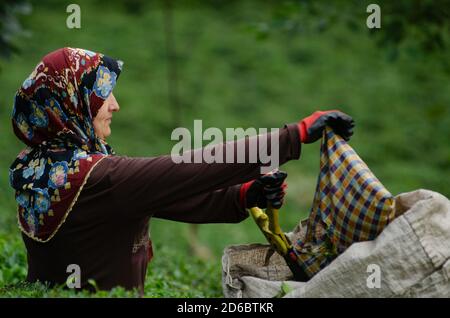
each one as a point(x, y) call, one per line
point(242, 64)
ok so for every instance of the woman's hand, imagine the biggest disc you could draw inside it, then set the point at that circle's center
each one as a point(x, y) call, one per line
point(267, 188)
point(311, 127)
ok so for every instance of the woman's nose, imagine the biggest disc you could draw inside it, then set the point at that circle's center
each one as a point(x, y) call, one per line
point(115, 107)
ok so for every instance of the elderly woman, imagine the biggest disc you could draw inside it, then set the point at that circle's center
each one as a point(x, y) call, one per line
point(78, 203)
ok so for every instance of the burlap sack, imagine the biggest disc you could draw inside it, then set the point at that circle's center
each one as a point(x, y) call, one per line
point(410, 258)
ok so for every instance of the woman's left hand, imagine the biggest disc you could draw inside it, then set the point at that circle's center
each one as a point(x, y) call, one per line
point(311, 127)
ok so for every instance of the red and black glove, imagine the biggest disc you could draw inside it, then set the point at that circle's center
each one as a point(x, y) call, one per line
point(311, 127)
point(267, 188)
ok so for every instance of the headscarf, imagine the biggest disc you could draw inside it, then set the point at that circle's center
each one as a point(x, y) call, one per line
point(53, 115)
point(350, 205)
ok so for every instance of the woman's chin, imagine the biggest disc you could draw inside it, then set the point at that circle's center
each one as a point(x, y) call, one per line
point(106, 134)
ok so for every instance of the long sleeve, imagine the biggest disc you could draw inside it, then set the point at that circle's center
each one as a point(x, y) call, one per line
point(138, 187)
point(219, 206)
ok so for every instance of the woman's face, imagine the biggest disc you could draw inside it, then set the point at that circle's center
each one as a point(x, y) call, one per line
point(104, 116)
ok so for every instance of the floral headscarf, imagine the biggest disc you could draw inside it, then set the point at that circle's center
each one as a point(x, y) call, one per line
point(53, 115)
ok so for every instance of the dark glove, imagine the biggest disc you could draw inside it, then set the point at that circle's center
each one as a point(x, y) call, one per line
point(311, 127)
point(267, 188)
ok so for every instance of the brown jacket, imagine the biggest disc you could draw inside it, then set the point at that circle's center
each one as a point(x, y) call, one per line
point(106, 233)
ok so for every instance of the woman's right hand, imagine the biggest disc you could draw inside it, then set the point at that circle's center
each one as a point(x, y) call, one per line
point(267, 188)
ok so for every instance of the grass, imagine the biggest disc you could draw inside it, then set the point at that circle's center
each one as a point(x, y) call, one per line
point(229, 78)
point(171, 274)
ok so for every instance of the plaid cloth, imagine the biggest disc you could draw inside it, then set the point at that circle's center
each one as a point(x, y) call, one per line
point(350, 205)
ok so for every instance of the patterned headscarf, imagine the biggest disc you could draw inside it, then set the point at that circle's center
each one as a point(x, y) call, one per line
point(53, 115)
point(350, 205)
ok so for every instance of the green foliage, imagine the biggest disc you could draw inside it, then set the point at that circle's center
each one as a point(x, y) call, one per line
point(230, 78)
point(284, 290)
point(12, 261)
point(172, 274)
point(176, 274)
point(10, 24)
point(416, 27)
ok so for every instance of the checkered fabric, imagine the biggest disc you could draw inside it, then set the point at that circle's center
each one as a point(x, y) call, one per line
point(350, 205)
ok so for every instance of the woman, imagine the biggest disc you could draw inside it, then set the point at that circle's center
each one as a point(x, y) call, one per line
point(80, 204)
